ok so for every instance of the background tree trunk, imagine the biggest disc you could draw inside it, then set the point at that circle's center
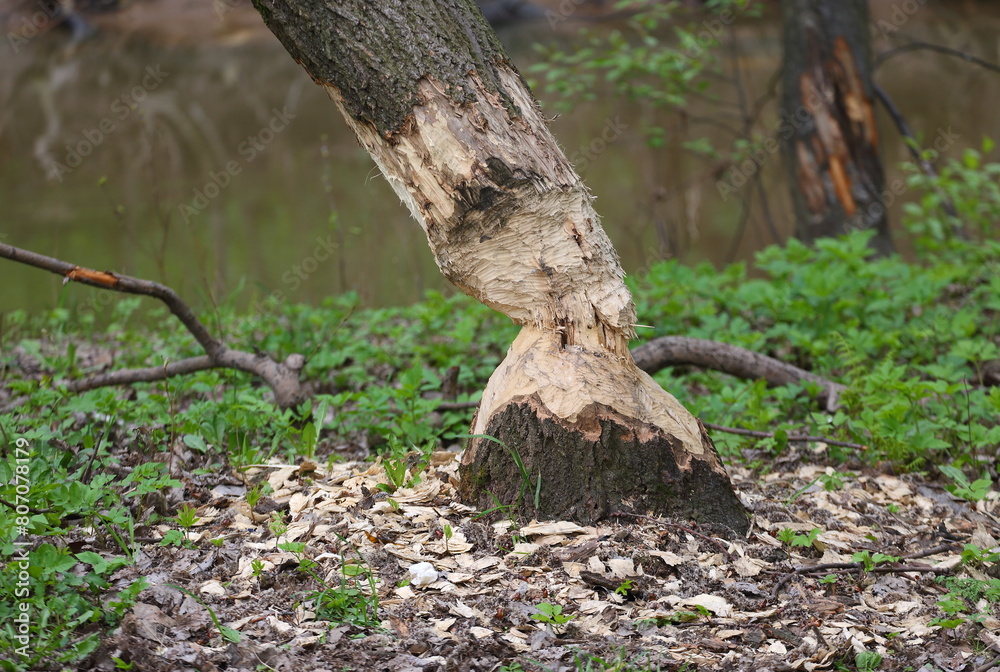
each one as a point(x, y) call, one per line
point(432, 96)
point(829, 132)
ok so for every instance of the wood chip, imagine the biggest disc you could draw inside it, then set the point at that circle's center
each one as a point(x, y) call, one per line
point(717, 605)
point(534, 528)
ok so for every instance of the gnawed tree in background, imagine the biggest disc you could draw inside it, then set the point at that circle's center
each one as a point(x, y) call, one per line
point(430, 93)
point(833, 152)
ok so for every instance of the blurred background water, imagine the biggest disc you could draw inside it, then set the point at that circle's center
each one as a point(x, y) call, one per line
point(180, 143)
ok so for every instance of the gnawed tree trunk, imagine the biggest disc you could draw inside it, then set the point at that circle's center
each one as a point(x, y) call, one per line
point(432, 96)
point(829, 131)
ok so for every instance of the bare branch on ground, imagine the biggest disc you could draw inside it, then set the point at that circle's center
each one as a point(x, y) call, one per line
point(281, 377)
point(734, 360)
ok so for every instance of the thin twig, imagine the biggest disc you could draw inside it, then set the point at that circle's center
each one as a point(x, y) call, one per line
point(851, 566)
point(794, 438)
point(14, 507)
point(941, 49)
point(911, 144)
point(987, 666)
point(748, 119)
point(943, 548)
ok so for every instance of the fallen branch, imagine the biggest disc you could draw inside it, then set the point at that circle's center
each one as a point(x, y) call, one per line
point(679, 350)
point(281, 377)
point(911, 144)
point(985, 667)
point(843, 567)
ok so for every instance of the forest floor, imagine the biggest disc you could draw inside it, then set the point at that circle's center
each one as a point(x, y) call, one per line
point(636, 593)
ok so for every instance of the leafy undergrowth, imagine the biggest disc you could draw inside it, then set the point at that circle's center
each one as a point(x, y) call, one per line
point(112, 496)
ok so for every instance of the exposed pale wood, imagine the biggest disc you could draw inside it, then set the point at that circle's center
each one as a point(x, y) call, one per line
point(570, 379)
point(829, 129)
point(507, 218)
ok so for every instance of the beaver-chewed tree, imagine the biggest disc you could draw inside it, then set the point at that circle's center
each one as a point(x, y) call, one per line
point(580, 432)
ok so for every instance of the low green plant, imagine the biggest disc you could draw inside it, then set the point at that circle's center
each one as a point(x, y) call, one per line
point(311, 431)
point(961, 487)
point(395, 465)
point(618, 661)
point(975, 556)
point(953, 607)
point(869, 560)
point(868, 661)
point(354, 601)
point(57, 593)
point(908, 398)
point(512, 667)
point(832, 481)
point(277, 525)
point(176, 538)
point(551, 614)
point(792, 538)
point(187, 516)
point(964, 594)
point(447, 533)
point(45, 493)
point(256, 492)
point(958, 207)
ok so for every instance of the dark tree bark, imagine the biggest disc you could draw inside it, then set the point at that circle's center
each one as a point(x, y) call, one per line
point(829, 132)
point(432, 96)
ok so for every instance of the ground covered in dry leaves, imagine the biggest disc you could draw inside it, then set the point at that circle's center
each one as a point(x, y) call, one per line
point(657, 594)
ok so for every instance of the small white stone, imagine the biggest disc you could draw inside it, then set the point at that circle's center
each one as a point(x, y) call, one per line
point(422, 574)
